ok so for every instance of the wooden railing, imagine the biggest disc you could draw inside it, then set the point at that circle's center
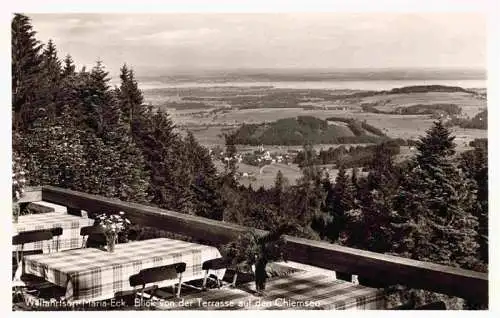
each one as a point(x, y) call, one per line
point(452, 281)
point(31, 194)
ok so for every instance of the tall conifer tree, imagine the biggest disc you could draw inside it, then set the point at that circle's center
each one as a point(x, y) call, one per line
point(433, 221)
point(343, 201)
point(26, 62)
point(51, 73)
point(69, 66)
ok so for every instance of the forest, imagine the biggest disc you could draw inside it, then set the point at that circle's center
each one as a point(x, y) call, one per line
point(308, 130)
point(71, 129)
point(479, 121)
point(348, 157)
point(419, 109)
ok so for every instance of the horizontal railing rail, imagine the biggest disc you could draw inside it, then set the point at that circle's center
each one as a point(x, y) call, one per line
point(31, 194)
point(389, 269)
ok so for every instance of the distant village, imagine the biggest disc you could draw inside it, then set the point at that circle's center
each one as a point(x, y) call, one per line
point(259, 157)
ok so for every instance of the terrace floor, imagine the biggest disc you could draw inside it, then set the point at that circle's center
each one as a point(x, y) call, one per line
point(294, 289)
point(300, 290)
point(290, 288)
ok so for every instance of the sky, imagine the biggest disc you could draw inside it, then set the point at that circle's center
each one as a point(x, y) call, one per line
point(156, 43)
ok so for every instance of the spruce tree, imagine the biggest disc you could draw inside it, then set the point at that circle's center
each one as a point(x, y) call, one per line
point(97, 97)
point(203, 180)
point(372, 230)
point(475, 165)
point(323, 222)
point(69, 67)
point(131, 100)
point(306, 198)
point(26, 62)
point(432, 221)
point(343, 201)
point(118, 167)
point(72, 94)
point(279, 192)
point(354, 178)
point(51, 73)
point(54, 153)
point(164, 155)
point(51, 63)
point(281, 183)
point(229, 159)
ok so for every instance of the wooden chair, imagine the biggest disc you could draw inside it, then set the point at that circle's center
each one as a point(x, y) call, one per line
point(30, 237)
point(93, 236)
point(57, 232)
point(27, 237)
point(158, 274)
point(30, 282)
point(15, 262)
point(216, 264)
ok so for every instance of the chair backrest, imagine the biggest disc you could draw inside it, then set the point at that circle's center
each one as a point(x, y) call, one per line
point(25, 253)
point(157, 274)
point(57, 231)
point(216, 263)
point(133, 235)
point(96, 240)
point(75, 212)
point(91, 229)
point(95, 236)
point(32, 236)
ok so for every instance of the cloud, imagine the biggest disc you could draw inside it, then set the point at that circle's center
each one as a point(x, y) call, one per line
point(173, 37)
point(269, 40)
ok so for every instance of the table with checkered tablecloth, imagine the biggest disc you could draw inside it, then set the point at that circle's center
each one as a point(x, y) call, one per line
point(309, 290)
point(92, 274)
point(70, 224)
point(297, 291)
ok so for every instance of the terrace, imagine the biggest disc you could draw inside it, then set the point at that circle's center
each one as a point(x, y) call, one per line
point(371, 268)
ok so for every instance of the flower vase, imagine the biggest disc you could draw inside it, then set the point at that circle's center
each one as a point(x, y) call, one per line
point(111, 242)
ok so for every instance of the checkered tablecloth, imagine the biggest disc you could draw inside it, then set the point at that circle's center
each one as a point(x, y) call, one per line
point(297, 291)
point(309, 290)
point(93, 274)
point(70, 224)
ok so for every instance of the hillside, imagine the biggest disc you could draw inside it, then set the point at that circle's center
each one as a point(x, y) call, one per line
point(307, 129)
point(417, 109)
point(480, 121)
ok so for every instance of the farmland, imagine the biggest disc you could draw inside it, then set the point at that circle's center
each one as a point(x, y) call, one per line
point(211, 111)
point(265, 176)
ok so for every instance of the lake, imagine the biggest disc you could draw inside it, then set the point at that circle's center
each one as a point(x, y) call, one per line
point(374, 85)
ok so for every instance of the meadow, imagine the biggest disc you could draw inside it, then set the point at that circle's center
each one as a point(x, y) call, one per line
point(209, 112)
point(265, 176)
point(469, 103)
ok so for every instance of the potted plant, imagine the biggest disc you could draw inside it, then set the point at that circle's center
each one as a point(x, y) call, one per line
point(113, 225)
point(252, 252)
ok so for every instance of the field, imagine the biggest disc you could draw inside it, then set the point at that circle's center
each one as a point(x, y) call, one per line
point(469, 104)
point(395, 126)
point(265, 177)
point(209, 112)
